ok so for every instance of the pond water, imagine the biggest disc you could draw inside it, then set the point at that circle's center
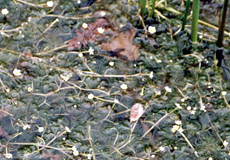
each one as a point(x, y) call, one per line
point(70, 71)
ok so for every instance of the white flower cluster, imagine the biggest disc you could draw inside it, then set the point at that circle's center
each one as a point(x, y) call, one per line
point(8, 155)
point(177, 127)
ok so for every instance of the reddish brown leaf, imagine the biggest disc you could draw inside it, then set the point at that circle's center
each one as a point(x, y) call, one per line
point(88, 34)
point(123, 41)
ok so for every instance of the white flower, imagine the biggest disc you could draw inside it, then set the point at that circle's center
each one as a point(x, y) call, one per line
point(210, 158)
point(76, 153)
point(111, 64)
point(162, 148)
point(168, 89)
point(79, 1)
point(223, 93)
point(193, 112)
point(50, 3)
point(225, 143)
point(153, 156)
point(178, 105)
point(151, 75)
point(7, 90)
point(100, 30)
point(89, 156)
point(159, 61)
point(8, 155)
point(67, 129)
point(158, 92)
point(29, 89)
point(84, 25)
point(90, 96)
point(74, 148)
point(103, 13)
point(178, 122)
point(151, 57)
point(124, 86)
point(116, 101)
point(151, 29)
point(25, 127)
point(189, 108)
point(5, 11)
point(66, 77)
point(175, 128)
point(121, 25)
point(17, 72)
point(91, 50)
point(80, 54)
point(40, 129)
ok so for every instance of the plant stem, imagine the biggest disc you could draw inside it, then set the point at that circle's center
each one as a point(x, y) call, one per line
point(185, 14)
point(219, 53)
point(195, 17)
point(142, 4)
point(222, 24)
point(152, 8)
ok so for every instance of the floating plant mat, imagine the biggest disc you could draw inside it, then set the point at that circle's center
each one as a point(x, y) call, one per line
point(74, 74)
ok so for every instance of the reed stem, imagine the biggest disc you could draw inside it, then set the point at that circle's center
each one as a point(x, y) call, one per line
point(195, 18)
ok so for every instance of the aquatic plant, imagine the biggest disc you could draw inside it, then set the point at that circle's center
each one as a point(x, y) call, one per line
point(188, 2)
point(219, 54)
point(195, 18)
point(142, 4)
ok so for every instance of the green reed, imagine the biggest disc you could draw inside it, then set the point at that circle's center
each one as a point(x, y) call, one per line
point(195, 18)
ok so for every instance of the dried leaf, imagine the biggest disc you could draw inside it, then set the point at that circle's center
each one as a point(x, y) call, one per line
point(88, 34)
point(123, 42)
point(137, 111)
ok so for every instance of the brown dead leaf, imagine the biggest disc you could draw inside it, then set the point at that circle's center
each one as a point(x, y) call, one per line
point(84, 35)
point(123, 42)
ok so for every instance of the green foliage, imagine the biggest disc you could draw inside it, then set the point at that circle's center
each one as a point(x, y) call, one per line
point(52, 94)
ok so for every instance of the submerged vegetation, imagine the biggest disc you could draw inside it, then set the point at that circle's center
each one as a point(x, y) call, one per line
point(112, 79)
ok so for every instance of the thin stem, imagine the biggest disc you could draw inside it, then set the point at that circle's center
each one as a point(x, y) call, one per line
point(185, 14)
point(222, 24)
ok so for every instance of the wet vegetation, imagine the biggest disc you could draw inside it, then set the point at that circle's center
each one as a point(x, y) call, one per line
point(112, 79)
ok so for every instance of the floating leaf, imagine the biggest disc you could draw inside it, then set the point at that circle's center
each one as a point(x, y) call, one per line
point(136, 112)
